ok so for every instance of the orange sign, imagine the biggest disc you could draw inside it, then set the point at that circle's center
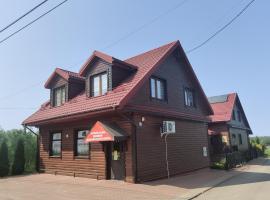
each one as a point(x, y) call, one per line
point(98, 134)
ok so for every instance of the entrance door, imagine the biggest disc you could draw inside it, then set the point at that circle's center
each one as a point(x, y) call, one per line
point(117, 161)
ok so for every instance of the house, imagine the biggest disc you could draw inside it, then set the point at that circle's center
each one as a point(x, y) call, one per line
point(229, 129)
point(106, 121)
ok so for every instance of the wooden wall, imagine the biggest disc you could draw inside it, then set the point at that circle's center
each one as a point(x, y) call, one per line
point(185, 148)
point(177, 77)
point(68, 164)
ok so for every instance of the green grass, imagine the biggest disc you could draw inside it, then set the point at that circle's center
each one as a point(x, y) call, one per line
point(267, 152)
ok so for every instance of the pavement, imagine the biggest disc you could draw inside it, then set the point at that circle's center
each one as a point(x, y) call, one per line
point(189, 186)
point(252, 184)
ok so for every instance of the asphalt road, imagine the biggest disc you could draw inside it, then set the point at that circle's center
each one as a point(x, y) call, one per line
point(254, 184)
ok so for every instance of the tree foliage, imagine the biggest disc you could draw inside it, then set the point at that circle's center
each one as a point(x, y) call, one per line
point(19, 158)
point(4, 162)
point(11, 137)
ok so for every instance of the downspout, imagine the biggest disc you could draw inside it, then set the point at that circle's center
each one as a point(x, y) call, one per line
point(133, 146)
point(37, 140)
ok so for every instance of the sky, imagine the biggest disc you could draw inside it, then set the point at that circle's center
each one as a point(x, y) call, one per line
point(237, 60)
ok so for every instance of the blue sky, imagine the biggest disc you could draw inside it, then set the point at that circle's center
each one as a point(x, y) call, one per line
point(237, 60)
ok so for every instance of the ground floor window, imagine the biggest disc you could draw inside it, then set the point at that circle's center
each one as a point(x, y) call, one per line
point(81, 148)
point(56, 143)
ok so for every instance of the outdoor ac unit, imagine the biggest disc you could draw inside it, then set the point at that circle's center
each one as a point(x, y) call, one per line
point(168, 127)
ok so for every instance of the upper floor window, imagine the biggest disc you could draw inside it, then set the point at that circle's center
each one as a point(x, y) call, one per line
point(81, 148)
point(59, 96)
point(99, 84)
point(158, 88)
point(189, 97)
point(55, 144)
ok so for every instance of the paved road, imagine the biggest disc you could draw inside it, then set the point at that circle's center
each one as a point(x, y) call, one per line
point(250, 185)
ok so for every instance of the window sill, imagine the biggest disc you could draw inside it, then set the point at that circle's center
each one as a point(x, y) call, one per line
point(81, 157)
point(159, 100)
point(55, 156)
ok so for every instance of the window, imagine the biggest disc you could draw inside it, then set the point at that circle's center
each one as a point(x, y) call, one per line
point(189, 97)
point(99, 84)
point(157, 88)
point(59, 96)
point(239, 115)
point(81, 148)
point(56, 143)
point(240, 139)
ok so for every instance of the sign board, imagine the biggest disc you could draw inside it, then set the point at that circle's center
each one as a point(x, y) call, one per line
point(98, 134)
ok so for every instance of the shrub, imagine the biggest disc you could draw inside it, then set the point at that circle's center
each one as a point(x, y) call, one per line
point(19, 159)
point(4, 162)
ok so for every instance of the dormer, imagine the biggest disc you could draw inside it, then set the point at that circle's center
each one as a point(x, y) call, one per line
point(103, 73)
point(64, 85)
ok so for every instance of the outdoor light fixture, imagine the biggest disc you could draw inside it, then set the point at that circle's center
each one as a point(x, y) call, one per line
point(143, 119)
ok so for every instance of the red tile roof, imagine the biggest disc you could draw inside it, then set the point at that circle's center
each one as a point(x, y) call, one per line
point(65, 74)
point(145, 63)
point(223, 110)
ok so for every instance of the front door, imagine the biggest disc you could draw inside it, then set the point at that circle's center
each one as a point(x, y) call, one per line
point(117, 161)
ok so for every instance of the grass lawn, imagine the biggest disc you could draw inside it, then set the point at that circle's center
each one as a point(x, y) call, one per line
point(267, 152)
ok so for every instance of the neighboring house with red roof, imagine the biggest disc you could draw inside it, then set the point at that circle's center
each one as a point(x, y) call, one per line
point(111, 120)
point(229, 129)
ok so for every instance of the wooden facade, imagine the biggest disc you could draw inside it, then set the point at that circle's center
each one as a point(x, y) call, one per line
point(231, 134)
point(143, 154)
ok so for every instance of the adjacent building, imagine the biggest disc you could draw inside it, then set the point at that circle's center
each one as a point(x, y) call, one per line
point(229, 129)
point(111, 120)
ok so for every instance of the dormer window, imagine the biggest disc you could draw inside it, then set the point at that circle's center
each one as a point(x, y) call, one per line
point(59, 96)
point(99, 84)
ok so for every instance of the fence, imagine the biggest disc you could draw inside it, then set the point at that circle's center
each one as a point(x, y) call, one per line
point(234, 159)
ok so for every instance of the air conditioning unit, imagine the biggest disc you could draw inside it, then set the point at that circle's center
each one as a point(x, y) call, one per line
point(168, 127)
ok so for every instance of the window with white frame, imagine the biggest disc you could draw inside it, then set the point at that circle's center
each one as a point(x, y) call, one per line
point(59, 96)
point(158, 88)
point(189, 97)
point(99, 84)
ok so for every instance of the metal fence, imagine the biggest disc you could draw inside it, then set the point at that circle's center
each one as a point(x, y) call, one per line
point(234, 159)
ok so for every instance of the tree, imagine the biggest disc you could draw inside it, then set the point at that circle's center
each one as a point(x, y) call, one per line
point(4, 162)
point(258, 140)
point(19, 159)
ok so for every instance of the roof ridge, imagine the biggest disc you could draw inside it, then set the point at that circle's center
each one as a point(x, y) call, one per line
point(151, 50)
point(231, 93)
point(65, 70)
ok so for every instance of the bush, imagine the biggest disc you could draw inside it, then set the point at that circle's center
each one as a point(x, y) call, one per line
point(4, 162)
point(218, 165)
point(19, 159)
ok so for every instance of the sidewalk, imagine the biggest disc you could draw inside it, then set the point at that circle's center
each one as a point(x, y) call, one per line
point(58, 187)
point(209, 180)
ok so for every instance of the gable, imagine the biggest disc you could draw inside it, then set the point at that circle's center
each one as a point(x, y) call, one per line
point(57, 81)
point(177, 75)
point(238, 112)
